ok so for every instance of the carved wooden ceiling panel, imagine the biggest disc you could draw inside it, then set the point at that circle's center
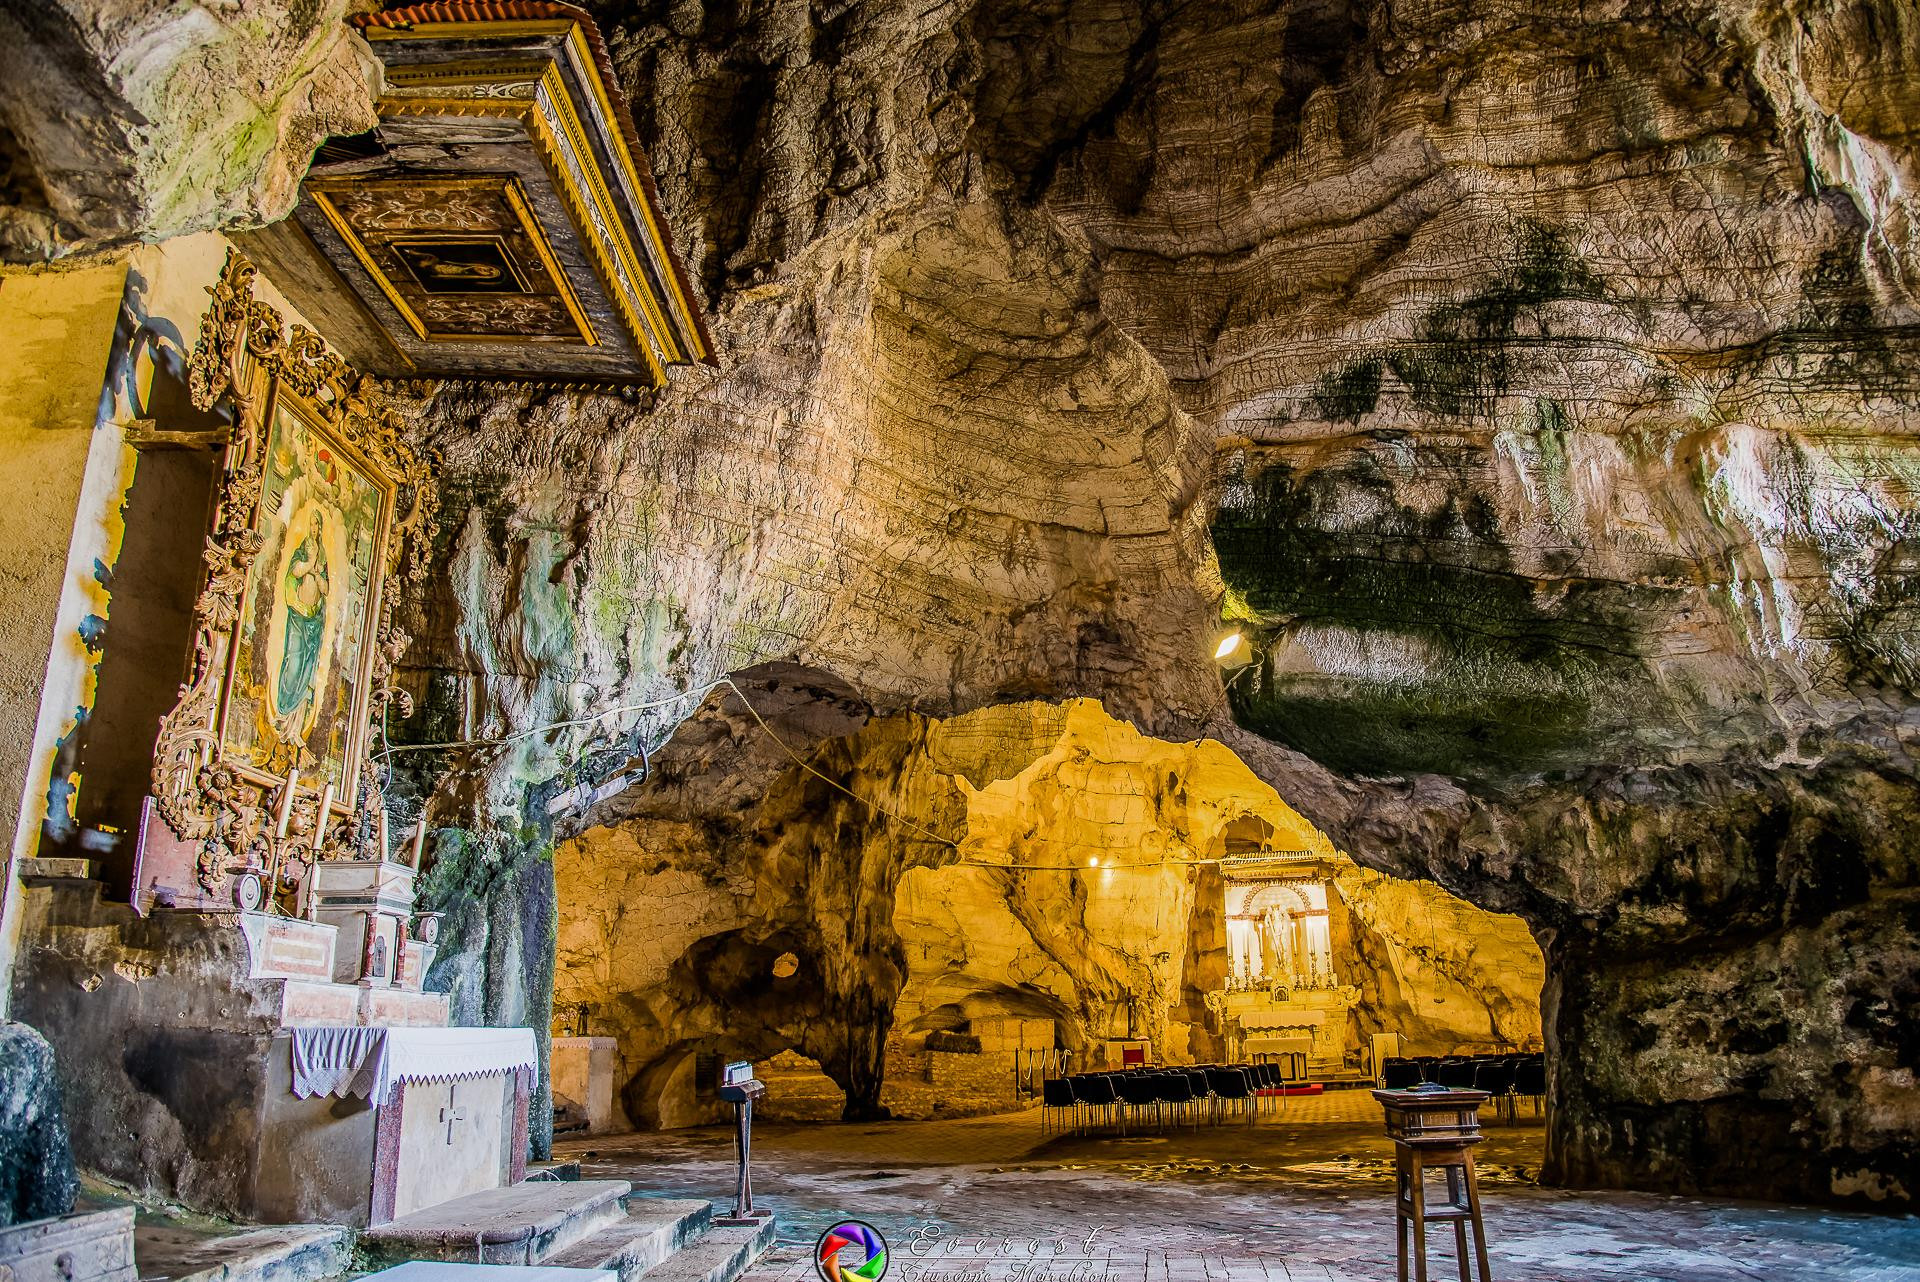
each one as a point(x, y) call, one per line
point(501, 222)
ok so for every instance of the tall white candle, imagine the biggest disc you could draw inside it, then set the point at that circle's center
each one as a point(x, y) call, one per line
point(319, 843)
point(419, 841)
point(286, 803)
point(320, 824)
point(380, 825)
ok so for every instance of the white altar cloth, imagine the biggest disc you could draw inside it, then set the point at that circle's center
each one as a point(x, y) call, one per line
point(353, 1060)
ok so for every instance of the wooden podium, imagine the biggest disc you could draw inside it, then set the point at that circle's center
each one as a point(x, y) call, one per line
point(1435, 1130)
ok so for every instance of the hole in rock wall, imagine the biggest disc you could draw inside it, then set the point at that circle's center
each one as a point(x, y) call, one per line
point(1020, 892)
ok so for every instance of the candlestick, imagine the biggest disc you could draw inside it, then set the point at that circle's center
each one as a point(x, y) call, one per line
point(286, 803)
point(272, 904)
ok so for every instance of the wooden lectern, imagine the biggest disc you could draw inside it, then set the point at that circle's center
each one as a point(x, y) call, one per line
point(1435, 1128)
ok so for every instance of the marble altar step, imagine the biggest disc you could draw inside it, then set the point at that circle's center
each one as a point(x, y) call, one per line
point(575, 1225)
point(653, 1230)
point(525, 1224)
point(167, 1252)
point(308, 1003)
point(92, 1246)
point(721, 1254)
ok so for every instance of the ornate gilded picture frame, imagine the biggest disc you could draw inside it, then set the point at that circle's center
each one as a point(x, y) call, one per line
point(323, 514)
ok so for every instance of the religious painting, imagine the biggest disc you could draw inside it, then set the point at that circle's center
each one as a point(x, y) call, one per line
point(297, 692)
point(468, 265)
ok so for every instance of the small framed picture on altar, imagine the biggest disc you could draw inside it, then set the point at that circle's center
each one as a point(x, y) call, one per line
point(300, 655)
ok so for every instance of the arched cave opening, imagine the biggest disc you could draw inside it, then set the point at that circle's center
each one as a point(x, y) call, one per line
point(910, 918)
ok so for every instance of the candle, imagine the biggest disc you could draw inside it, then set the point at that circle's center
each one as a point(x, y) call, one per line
point(320, 824)
point(286, 803)
point(419, 841)
point(380, 822)
point(319, 843)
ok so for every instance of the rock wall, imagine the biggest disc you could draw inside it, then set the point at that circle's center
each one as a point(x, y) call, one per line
point(36, 1164)
point(1042, 862)
point(1565, 376)
point(128, 120)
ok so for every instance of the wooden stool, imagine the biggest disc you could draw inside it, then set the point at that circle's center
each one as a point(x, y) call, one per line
point(1461, 1207)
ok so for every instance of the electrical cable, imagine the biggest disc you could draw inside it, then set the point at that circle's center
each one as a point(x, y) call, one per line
point(703, 691)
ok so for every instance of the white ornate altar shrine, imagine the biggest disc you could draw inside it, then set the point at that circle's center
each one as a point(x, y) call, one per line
point(1283, 994)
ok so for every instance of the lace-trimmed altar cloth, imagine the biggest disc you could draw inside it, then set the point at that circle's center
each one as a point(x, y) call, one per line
point(355, 1060)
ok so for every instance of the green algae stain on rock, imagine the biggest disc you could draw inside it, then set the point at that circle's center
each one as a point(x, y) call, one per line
point(1463, 358)
point(1395, 640)
point(1350, 393)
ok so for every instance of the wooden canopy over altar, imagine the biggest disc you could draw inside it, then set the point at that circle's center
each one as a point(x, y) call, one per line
point(502, 220)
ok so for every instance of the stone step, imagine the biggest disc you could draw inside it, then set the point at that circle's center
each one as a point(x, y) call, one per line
point(93, 1246)
point(721, 1254)
point(654, 1228)
point(281, 1253)
point(454, 1271)
point(524, 1224)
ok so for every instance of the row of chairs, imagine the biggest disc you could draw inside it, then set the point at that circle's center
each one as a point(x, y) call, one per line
point(1181, 1093)
point(1507, 1078)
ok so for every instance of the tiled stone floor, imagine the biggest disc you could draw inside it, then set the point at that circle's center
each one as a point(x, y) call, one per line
point(1304, 1196)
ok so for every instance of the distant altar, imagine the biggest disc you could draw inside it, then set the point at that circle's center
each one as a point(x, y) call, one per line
point(1283, 996)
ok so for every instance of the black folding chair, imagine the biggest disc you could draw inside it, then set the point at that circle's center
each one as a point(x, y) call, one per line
point(1057, 1093)
point(1231, 1084)
point(1175, 1093)
point(1399, 1074)
point(1104, 1093)
point(1139, 1091)
point(1495, 1077)
point(1530, 1079)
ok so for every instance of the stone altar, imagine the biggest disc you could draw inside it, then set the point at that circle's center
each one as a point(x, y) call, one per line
point(179, 1027)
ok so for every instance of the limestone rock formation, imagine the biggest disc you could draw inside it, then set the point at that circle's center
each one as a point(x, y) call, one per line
point(36, 1165)
point(1041, 862)
point(1536, 388)
point(129, 120)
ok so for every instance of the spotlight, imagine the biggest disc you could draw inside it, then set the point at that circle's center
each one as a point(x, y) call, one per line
point(1230, 647)
point(1093, 863)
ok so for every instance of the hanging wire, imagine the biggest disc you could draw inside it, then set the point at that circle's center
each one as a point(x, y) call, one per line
point(703, 691)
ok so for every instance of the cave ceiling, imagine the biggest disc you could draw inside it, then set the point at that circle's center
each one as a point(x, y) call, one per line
point(1537, 394)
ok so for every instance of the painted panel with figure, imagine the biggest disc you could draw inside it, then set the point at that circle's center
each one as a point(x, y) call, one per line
point(297, 691)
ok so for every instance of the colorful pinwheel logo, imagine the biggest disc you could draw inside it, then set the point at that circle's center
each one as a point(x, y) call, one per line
point(851, 1252)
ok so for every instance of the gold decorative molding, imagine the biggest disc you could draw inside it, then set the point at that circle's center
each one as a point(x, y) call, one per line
point(517, 91)
point(560, 138)
point(244, 358)
point(453, 220)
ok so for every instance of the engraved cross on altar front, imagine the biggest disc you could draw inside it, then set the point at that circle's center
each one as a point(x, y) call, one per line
point(452, 1114)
